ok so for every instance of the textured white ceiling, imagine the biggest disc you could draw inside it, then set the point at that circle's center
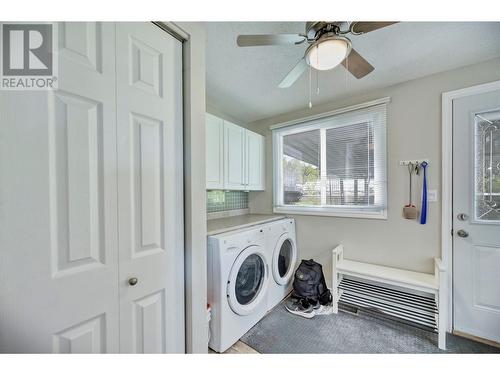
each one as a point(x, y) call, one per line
point(243, 82)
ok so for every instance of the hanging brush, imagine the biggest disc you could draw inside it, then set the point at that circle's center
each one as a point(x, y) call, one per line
point(410, 211)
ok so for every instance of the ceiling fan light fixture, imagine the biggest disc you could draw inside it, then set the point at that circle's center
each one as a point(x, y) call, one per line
point(328, 52)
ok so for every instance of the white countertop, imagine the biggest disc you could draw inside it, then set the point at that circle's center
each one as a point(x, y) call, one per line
point(226, 224)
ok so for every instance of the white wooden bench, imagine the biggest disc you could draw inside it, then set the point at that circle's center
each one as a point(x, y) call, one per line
point(432, 284)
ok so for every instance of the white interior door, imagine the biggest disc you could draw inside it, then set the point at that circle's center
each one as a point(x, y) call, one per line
point(58, 237)
point(234, 156)
point(149, 119)
point(476, 215)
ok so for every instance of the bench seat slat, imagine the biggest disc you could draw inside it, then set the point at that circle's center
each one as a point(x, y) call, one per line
point(396, 276)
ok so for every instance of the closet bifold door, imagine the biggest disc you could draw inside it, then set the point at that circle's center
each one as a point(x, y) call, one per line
point(58, 237)
point(150, 189)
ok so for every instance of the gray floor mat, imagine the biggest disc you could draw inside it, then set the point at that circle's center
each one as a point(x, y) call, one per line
point(282, 332)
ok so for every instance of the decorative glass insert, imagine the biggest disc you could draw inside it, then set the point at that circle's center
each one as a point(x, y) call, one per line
point(220, 200)
point(487, 166)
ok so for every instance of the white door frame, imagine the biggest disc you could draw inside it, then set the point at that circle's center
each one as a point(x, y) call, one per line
point(192, 36)
point(447, 179)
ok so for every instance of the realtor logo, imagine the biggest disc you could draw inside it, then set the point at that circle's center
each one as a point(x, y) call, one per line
point(28, 56)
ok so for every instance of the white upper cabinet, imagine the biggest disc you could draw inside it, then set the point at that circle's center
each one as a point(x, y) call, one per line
point(254, 147)
point(214, 152)
point(234, 156)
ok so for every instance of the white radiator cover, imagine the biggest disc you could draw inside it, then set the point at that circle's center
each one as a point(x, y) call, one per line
point(414, 307)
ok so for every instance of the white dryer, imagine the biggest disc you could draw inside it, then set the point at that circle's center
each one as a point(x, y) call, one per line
point(282, 250)
point(238, 280)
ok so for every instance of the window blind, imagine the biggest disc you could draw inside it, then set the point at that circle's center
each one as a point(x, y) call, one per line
point(336, 163)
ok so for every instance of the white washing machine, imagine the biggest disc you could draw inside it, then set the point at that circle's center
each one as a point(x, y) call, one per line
point(282, 250)
point(238, 280)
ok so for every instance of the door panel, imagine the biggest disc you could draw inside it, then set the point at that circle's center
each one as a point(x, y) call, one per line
point(80, 43)
point(149, 110)
point(77, 198)
point(149, 323)
point(148, 167)
point(58, 265)
point(234, 156)
point(85, 337)
point(476, 215)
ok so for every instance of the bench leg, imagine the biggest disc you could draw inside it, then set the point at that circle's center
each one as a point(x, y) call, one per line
point(442, 338)
point(337, 255)
point(442, 304)
point(442, 326)
point(335, 299)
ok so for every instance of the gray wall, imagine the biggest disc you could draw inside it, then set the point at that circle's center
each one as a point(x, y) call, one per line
point(413, 131)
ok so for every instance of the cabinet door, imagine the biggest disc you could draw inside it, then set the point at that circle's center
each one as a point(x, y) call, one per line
point(254, 176)
point(214, 152)
point(234, 157)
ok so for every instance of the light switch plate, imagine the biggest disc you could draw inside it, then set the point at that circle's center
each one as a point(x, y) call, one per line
point(432, 195)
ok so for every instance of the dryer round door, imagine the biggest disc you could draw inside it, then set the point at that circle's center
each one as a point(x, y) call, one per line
point(247, 282)
point(284, 258)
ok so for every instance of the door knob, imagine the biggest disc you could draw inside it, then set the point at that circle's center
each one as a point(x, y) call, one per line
point(462, 233)
point(462, 217)
point(132, 281)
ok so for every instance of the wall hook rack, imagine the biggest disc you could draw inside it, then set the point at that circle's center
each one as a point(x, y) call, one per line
point(414, 161)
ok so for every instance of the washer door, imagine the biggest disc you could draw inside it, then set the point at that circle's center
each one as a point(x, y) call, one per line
point(284, 258)
point(247, 282)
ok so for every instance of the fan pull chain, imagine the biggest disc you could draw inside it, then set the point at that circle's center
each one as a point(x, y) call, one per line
point(317, 71)
point(317, 82)
point(310, 87)
point(346, 71)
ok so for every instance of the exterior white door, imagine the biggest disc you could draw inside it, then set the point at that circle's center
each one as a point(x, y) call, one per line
point(58, 214)
point(254, 145)
point(150, 190)
point(234, 156)
point(214, 152)
point(476, 215)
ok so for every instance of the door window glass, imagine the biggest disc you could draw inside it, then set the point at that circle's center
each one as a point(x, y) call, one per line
point(285, 257)
point(487, 166)
point(249, 279)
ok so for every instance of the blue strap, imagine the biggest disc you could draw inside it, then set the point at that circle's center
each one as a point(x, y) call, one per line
point(423, 216)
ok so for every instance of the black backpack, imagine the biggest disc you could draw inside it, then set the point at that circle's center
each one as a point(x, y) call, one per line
point(309, 282)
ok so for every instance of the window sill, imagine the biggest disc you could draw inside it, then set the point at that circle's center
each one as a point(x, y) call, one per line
point(310, 211)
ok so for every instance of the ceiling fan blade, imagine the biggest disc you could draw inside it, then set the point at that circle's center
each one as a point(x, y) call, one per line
point(366, 27)
point(294, 74)
point(357, 65)
point(269, 40)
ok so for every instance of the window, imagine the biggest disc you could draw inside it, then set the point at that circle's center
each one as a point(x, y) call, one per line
point(334, 165)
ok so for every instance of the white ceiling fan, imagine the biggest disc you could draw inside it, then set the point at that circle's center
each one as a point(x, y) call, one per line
point(328, 47)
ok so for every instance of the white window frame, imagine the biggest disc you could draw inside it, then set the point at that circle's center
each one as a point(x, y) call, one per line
point(342, 117)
